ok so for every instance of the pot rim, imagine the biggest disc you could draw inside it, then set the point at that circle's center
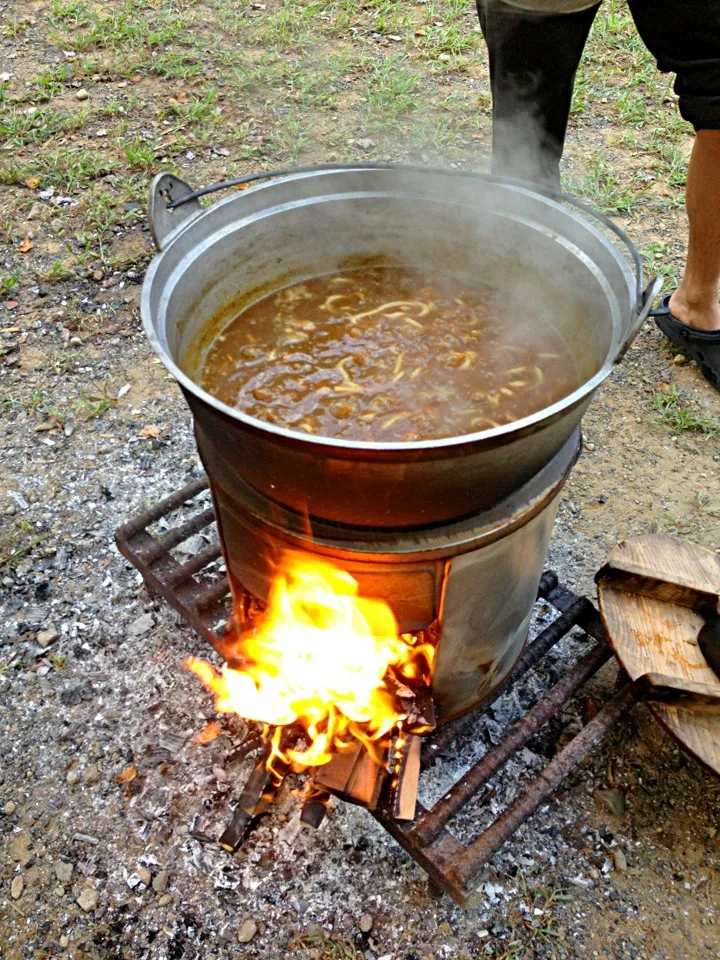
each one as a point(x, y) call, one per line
point(493, 435)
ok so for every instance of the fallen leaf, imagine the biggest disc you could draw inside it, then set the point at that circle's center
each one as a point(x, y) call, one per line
point(33, 182)
point(128, 774)
point(209, 732)
point(243, 186)
point(26, 245)
point(136, 79)
point(149, 433)
point(421, 32)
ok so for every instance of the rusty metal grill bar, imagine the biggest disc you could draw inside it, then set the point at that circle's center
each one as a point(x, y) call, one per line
point(451, 864)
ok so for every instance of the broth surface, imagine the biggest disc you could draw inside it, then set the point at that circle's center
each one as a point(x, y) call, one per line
point(382, 355)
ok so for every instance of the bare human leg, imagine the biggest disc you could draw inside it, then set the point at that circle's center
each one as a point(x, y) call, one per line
point(695, 301)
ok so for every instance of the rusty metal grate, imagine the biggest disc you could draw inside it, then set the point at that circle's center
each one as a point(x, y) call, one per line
point(452, 865)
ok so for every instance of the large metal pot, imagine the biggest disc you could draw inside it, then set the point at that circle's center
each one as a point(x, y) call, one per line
point(540, 251)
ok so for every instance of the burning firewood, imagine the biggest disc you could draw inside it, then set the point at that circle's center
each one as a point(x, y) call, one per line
point(314, 808)
point(257, 795)
point(404, 786)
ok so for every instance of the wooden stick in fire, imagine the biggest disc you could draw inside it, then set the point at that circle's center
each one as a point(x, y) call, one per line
point(257, 795)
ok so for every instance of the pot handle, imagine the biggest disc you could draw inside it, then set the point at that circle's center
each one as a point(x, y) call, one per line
point(649, 296)
point(164, 211)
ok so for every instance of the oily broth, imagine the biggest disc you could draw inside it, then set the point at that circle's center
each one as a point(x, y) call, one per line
point(384, 355)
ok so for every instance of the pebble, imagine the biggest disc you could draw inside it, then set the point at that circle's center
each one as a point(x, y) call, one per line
point(680, 359)
point(145, 876)
point(82, 94)
point(75, 342)
point(47, 636)
point(366, 923)
point(64, 941)
point(88, 899)
point(91, 774)
point(247, 931)
point(160, 882)
point(72, 778)
point(63, 871)
point(619, 860)
point(141, 626)
point(9, 808)
point(20, 849)
point(17, 887)
point(589, 447)
point(613, 799)
point(164, 900)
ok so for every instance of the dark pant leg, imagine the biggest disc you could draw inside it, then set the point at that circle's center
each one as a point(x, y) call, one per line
point(684, 38)
point(533, 60)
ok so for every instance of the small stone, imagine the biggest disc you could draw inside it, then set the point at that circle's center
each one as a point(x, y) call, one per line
point(680, 359)
point(145, 876)
point(17, 887)
point(300, 906)
point(73, 778)
point(82, 94)
point(91, 774)
point(247, 931)
point(589, 447)
point(141, 626)
point(64, 941)
point(365, 143)
point(47, 636)
point(75, 342)
point(594, 874)
point(9, 808)
point(20, 849)
point(164, 900)
point(613, 799)
point(88, 899)
point(446, 929)
point(63, 871)
point(619, 860)
point(366, 923)
point(160, 881)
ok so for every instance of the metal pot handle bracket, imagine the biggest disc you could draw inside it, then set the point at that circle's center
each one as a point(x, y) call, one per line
point(173, 202)
point(647, 298)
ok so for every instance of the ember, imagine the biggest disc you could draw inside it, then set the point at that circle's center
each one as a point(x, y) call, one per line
point(324, 659)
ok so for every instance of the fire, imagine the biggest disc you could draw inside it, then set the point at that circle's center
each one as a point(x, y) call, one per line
point(321, 657)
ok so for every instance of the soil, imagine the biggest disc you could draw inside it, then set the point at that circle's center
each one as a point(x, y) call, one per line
point(103, 792)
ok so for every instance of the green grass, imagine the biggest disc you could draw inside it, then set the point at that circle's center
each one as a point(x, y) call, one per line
point(391, 90)
point(64, 168)
point(674, 414)
point(600, 185)
point(7, 282)
point(19, 128)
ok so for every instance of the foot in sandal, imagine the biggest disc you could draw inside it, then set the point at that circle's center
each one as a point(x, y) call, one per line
point(702, 344)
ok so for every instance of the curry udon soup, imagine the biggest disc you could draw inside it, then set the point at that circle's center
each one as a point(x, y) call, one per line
point(383, 355)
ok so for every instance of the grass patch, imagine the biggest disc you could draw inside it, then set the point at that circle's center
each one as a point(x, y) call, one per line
point(19, 127)
point(672, 413)
point(391, 90)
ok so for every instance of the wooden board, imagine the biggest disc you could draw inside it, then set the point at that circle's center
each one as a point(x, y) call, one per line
point(653, 635)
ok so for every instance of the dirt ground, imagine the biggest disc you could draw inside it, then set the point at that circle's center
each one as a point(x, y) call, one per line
point(96, 861)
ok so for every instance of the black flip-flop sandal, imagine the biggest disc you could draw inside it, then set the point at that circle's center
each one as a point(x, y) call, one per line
point(702, 345)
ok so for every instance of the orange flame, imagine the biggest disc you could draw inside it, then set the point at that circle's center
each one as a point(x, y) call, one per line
point(318, 657)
